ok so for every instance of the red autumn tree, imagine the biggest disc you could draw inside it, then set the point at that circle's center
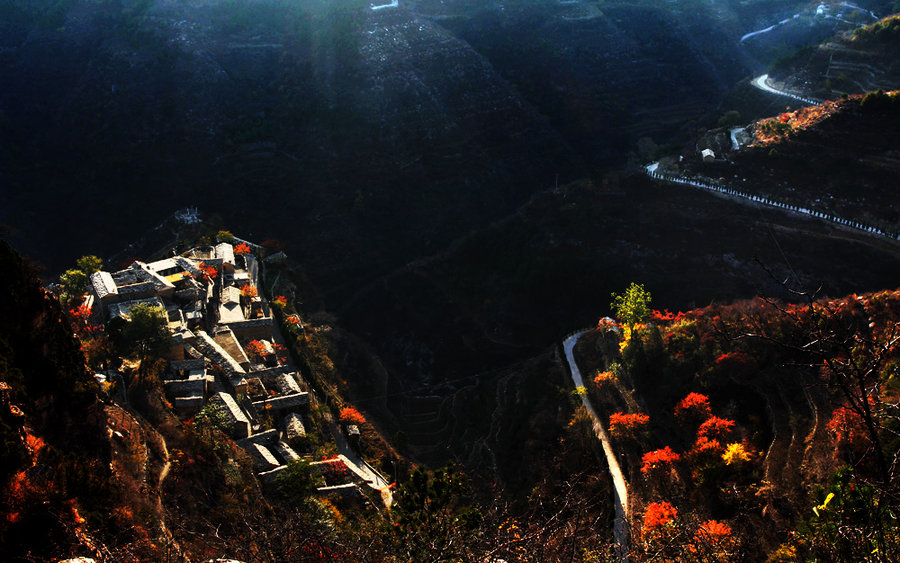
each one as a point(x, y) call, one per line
point(209, 272)
point(627, 425)
point(658, 460)
point(658, 515)
point(249, 291)
point(738, 364)
point(80, 319)
point(350, 415)
point(242, 248)
point(693, 408)
point(850, 434)
point(712, 542)
point(706, 448)
point(847, 426)
point(257, 349)
point(716, 428)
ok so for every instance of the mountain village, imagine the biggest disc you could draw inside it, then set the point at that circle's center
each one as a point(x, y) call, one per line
point(226, 356)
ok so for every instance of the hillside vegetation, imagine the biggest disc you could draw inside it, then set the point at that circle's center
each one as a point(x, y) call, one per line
point(840, 157)
point(758, 427)
point(734, 422)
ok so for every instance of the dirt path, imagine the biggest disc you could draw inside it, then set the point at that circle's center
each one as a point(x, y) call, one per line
point(620, 487)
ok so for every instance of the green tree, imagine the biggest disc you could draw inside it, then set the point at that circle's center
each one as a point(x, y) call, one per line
point(145, 335)
point(633, 306)
point(730, 118)
point(225, 236)
point(89, 264)
point(74, 284)
point(297, 481)
point(434, 518)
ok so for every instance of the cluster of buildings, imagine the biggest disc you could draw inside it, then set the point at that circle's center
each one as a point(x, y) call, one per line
point(223, 346)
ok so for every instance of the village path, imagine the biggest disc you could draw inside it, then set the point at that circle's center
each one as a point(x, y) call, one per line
point(164, 472)
point(620, 487)
point(359, 466)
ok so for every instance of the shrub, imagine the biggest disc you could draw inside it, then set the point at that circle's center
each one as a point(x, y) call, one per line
point(621, 425)
point(350, 415)
point(658, 459)
point(715, 428)
point(658, 515)
point(695, 405)
point(735, 454)
point(256, 349)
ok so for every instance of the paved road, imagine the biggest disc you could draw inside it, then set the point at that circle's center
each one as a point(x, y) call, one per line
point(768, 29)
point(762, 82)
point(393, 4)
point(742, 197)
point(735, 144)
point(620, 527)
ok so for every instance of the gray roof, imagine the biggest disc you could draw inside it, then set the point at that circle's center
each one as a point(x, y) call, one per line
point(163, 265)
point(103, 284)
point(191, 402)
point(217, 355)
point(189, 265)
point(226, 339)
point(139, 287)
point(285, 451)
point(186, 387)
point(293, 426)
point(230, 294)
point(287, 384)
point(282, 402)
point(225, 251)
point(262, 457)
point(232, 410)
point(230, 312)
point(187, 364)
point(243, 323)
point(264, 438)
point(144, 273)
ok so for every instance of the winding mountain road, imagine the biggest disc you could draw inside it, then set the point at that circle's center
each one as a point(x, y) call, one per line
point(762, 82)
point(767, 29)
point(620, 487)
point(393, 4)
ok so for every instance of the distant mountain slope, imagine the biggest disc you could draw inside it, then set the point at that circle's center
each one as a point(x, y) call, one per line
point(505, 292)
point(841, 157)
point(362, 138)
point(852, 62)
point(607, 75)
